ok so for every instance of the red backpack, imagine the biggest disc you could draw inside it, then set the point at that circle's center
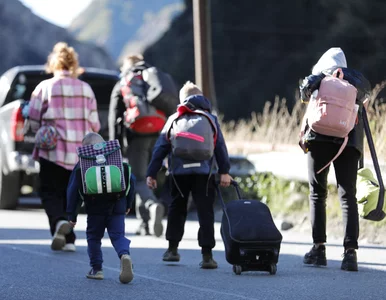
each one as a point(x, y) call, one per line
point(140, 116)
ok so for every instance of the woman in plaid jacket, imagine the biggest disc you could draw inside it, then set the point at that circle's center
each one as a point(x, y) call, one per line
point(69, 105)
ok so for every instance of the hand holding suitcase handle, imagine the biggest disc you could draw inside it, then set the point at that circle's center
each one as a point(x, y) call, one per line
point(236, 186)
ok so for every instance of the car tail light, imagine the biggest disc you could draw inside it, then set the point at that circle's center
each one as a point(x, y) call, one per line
point(17, 125)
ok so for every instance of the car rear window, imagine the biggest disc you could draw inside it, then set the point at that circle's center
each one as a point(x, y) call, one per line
point(102, 87)
point(23, 86)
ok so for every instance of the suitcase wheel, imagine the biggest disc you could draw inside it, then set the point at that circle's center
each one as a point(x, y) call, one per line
point(237, 269)
point(272, 269)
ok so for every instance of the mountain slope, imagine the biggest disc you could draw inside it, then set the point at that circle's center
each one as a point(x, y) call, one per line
point(28, 39)
point(125, 24)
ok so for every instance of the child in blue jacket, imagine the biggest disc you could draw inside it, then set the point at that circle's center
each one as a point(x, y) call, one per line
point(102, 215)
point(187, 177)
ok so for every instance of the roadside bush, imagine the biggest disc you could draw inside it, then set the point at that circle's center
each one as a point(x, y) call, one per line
point(281, 195)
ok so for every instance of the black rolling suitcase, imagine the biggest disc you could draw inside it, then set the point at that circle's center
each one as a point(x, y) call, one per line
point(252, 241)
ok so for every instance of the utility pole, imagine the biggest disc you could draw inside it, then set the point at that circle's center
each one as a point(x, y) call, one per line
point(203, 49)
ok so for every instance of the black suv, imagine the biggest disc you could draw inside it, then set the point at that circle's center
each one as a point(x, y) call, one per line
point(17, 168)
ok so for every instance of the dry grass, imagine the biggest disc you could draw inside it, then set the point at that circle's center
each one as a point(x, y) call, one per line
point(276, 128)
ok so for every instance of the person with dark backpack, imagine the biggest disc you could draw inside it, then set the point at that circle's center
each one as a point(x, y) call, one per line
point(140, 104)
point(332, 132)
point(193, 140)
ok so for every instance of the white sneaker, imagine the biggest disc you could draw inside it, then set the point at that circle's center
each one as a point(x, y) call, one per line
point(69, 248)
point(156, 211)
point(126, 274)
point(59, 240)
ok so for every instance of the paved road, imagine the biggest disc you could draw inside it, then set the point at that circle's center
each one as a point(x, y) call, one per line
point(30, 270)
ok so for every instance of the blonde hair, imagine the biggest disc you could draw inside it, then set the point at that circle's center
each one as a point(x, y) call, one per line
point(130, 60)
point(189, 89)
point(62, 57)
point(92, 138)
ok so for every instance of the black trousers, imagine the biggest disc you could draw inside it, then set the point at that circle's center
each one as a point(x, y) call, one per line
point(346, 166)
point(53, 192)
point(139, 154)
point(203, 198)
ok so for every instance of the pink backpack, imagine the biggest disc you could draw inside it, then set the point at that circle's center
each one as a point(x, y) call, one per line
point(334, 111)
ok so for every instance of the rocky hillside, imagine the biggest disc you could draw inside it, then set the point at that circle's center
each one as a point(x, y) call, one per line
point(123, 26)
point(28, 39)
point(263, 48)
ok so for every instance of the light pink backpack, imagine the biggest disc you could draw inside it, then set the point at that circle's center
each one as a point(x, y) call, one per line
point(333, 112)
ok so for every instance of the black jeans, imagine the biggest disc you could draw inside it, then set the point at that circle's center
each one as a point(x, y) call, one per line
point(139, 153)
point(346, 166)
point(53, 192)
point(204, 200)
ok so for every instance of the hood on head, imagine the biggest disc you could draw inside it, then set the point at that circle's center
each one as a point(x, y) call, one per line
point(333, 57)
point(198, 101)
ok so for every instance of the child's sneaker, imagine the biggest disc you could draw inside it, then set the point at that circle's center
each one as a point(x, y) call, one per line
point(95, 274)
point(59, 240)
point(126, 274)
point(208, 262)
point(350, 262)
point(171, 255)
point(316, 256)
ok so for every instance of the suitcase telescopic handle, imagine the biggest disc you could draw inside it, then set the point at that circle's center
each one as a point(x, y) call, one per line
point(379, 214)
point(234, 184)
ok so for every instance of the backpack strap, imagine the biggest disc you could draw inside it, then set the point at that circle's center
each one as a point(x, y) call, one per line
point(336, 156)
point(125, 164)
point(170, 125)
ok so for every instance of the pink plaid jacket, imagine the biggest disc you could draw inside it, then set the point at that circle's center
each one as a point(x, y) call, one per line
point(70, 105)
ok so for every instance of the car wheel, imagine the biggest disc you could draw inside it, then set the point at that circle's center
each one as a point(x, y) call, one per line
point(9, 189)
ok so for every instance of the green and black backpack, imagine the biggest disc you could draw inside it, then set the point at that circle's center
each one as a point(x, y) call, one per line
point(102, 171)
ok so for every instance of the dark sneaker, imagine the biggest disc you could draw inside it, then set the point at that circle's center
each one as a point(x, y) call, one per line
point(143, 229)
point(316, 256)
point(171, 255)
point(126, 274)
point(95, 274)
point(208, 262)
point(349, 262)
point(156, 211)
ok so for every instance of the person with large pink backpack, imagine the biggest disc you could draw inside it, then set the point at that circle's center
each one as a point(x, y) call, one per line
point(332, 132)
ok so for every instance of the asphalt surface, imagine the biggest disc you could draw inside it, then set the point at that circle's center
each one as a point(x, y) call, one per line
point(30, 270)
